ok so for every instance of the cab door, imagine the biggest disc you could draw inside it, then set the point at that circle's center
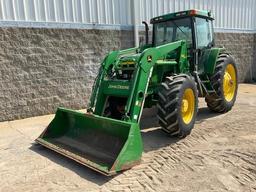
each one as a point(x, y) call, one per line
point(204, 41)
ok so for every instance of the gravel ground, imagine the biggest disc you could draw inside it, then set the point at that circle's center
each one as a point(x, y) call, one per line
point(219, 155)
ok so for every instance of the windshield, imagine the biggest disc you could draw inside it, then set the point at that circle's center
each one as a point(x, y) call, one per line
point(173, 30)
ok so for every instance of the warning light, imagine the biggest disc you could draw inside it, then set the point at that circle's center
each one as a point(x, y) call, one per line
point(193, 12)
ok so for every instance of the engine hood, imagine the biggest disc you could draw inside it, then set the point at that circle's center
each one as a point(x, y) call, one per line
point(129, 59)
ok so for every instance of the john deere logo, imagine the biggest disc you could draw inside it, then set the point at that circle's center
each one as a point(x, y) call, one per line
point(118, 87)
point(149, 58)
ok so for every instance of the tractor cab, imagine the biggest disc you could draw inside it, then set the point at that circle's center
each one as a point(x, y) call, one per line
point(193, 26)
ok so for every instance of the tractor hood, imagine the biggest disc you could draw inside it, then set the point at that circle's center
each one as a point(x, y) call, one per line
point(129, 60)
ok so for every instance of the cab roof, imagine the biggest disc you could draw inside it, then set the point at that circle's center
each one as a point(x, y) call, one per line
point(180, 14)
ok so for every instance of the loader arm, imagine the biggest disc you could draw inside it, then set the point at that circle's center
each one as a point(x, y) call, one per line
point(103, 143)
point(108, 60)
point(134, 90)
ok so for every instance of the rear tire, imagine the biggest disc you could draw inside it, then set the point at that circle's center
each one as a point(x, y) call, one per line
point(224, 82)
point(177, 105)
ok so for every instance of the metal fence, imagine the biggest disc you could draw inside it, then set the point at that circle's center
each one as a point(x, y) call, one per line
point(233, 15)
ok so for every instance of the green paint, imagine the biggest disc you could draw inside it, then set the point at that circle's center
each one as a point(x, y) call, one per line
point(109, 145)
point(75, 126)
point(208, 61)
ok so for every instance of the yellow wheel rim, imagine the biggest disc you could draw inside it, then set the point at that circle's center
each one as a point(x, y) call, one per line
point(229, 83)
point(188, 106)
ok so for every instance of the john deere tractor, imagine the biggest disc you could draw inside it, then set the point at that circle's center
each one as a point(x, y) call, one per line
point(171, 72)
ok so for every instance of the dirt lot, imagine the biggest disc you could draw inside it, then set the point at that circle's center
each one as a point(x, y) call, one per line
point(219, 155)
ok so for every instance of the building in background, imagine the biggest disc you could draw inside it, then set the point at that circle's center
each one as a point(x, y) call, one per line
point(230, 15)
point(50, 50)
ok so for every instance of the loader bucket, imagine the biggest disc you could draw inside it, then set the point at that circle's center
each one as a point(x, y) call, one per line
point(103, 144)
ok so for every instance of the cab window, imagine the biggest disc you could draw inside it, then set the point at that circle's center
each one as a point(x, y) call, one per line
point(173, 30)
point(204, 32)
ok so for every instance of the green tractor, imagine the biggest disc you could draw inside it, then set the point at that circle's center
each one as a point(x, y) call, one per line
point(171, 72)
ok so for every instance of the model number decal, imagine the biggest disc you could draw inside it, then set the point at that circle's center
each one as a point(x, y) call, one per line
point(118, 87)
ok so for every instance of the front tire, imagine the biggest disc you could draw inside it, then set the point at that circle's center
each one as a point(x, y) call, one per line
point(177, 105)
point(224, 82)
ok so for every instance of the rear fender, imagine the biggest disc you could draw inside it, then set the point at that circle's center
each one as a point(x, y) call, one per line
point(208, 60)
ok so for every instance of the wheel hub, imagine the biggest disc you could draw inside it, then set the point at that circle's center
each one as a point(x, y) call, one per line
point(184, 105)
point(188, 106)
point(229, 83)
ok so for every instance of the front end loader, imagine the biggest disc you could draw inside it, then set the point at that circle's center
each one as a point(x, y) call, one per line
point(180, 64)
